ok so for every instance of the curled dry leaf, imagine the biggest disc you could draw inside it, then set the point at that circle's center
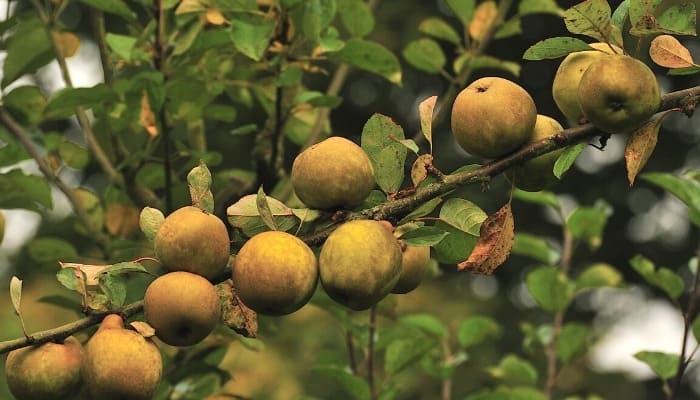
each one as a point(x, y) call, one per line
point(147, 118)
point(667, 51)
point(495, 242)
point(143, 328)
point(419, 170)
point(235, 314)
point(641, 145)
point(214, 17)
point(425, 111)
point(484, 17)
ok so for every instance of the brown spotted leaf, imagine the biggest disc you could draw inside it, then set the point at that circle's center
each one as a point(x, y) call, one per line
point(640, 145)
point(495, 242)
point(235, 314)
point(667, 51)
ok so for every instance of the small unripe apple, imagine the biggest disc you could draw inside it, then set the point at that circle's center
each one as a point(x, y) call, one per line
point(331, 174)
point(568, 77)
point(182, 307)
point(275, 273)
point(618, 94)
point(47, 371)
point(360, 263)
point(537, 173)
point(492, 117)
point(414, 265)
point(194, 241)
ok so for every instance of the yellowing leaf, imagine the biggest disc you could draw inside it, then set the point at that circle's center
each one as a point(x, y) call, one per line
point(121, 220)
point(484, 17)
point(16, 293)
point(214, 17)
point(667, 51)
point(419, 170)
point(425, 111)
point(143, 328)
point(495, 242)
point(147, 119)
point(67, 43)
point(640, 145)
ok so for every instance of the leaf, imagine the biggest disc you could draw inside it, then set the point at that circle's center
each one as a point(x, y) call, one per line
point(598, 275)
point(425, 111)
point(116, 7)
point(484, 17)
point(371, 57)
point(199, 183)
point(264, 209)
point(122, 45)
point(424, 236)
point(535, 248)
point(573, 340)
point(554, 48)
point(245, 215)
point(419, 169)
point(678, 19)
point(665, 365)
point(463, 9)
point(66, 43)
point(422, 210)
point(16, 293)
point(588, 223)
point(143, 328)
point(147, 119)
point(455, 247)
point(474, 330)
point(68, 278)
point(590, 18)
point(539, 7)
point(356, 17)
point(26, 104)
point(667, 51)
point(234, 314)
point(514, 370)
point(663, 278)
point(696, 328)
point(63, 103)
point(686, 190)
point(251, 35)
point(427, 323)
point(543, 197)
point(121, 220)
point(567, 159)
point(463, 215)
point(380, 140)
point(510, 28)
point(150, 219)
point(550, 288)
point(402, 353)
point(640, 145)
point(438, 28)
point(113, 286)
point(27, 49)
point(353, 385)
point(495, 242)
point(49, 249)
point(74, 155)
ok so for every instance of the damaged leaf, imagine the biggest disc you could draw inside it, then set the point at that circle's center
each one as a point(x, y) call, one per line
point(495, 242)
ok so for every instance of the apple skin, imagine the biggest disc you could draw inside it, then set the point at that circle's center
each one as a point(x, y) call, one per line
point(182, 307)
point(568, 77)
point(194, 241)
point(536, 174)
point(492, 117)
point(414, 265)
point(618, 94)
point(334, 173)
point(360, 263)
point(121, 364)
point(275, 273)
point(48, 371)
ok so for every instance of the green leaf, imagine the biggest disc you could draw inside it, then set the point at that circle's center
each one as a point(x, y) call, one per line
point(485, 62)
point(663, 278)
point(264, 209)
point(590, 18)
point(29, 192)
point(696, 328)
point(463, 215)
point(371, 57)
point(380, 137)
point(116, 7)
point(16, 293)
point(510, 28)
point(199, 183)
point(49, 249)
point(438, 28)
point(244, 214)
point(685, 189)
point(554, 48)
point(28, 48)
point(74, 155)
point(26, 104)
point(550, 288)
point(534, 247)
point(150, 219)
point(567, 159)
point(425, 54)
point(67, 278)
point(63, 103)
point(422, 210)
point(539, 7)
point(514, 370)
point(678, 19)
point(588, 223)
point(542, 197)
point(404, 352)
point(620, 15)
point(455, 247)
point(353, 385)
point(356, 17)
point(121, 45)
point(317, 14)
point(424, 236)
point(318, 99)
point(598, 275)
point(114, 287)
point(665, 365)
point(251, 35)
point(476, 329)
point(573, 341)
point(463, 9)
point(427, 323)
point(11, 151)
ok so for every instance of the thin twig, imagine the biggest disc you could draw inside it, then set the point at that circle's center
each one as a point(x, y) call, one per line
point(370, 351)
